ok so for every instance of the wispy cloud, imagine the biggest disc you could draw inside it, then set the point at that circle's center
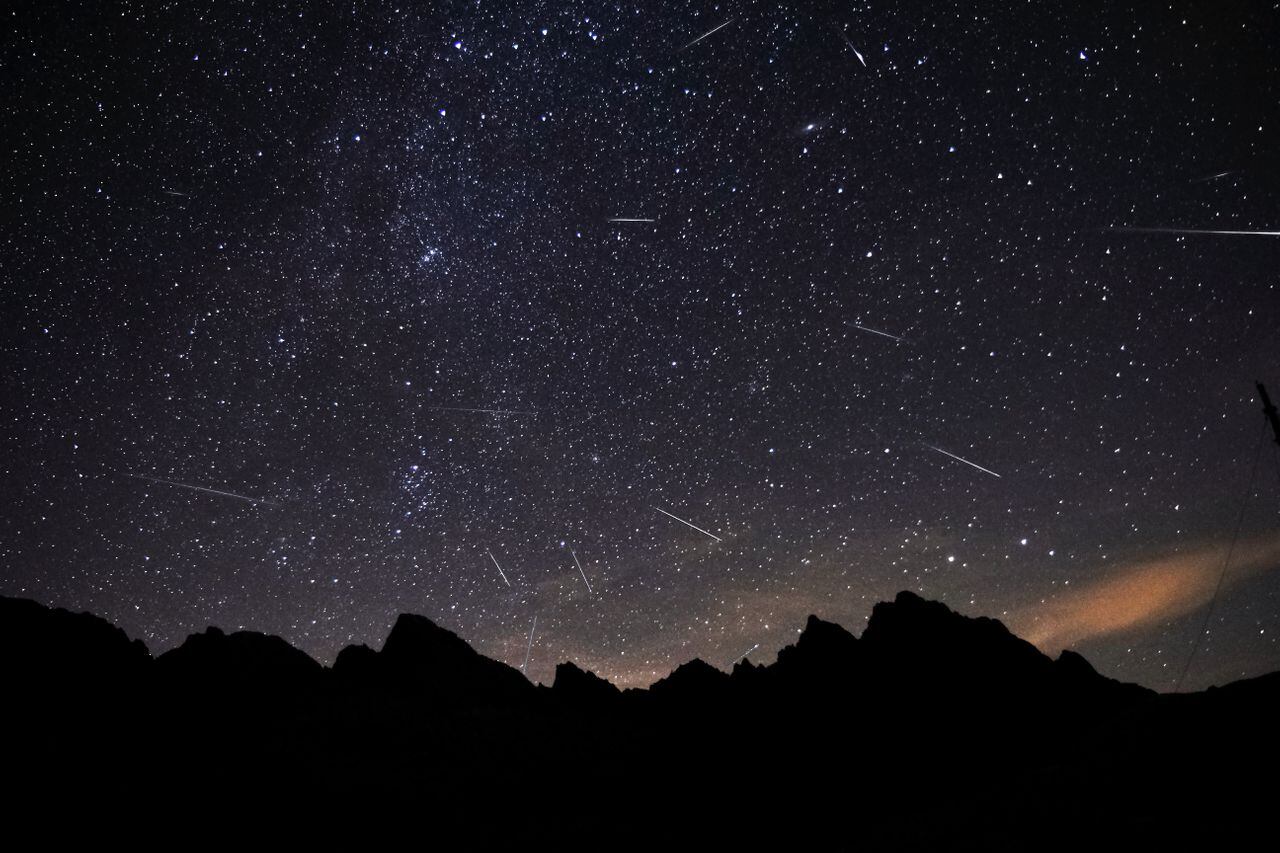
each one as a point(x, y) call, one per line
point(1139, 593)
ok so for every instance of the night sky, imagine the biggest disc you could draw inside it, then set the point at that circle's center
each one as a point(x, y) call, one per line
point(264, 266)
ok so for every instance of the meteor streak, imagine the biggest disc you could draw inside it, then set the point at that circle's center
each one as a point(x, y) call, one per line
point(202, 489)
point(499, 568)
point(845, 38)
point(580, 571)
point(485, 411)
point(878, 332)
point(630, 219)
point(1198, 231)
point(744, 655)
point(709, 32)
point(965, 461)
point(524, 666)
point(687, 524)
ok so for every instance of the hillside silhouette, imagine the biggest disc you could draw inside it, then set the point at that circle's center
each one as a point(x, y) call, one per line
point(930, 730)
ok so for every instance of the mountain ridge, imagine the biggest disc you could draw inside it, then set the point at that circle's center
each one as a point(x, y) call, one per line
point(901, 631)
point(930, 727)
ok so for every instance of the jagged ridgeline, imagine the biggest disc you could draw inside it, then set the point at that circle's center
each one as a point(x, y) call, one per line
point(930, 728)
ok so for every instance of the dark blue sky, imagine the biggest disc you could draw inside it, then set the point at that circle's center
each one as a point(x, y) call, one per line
point(273, 250)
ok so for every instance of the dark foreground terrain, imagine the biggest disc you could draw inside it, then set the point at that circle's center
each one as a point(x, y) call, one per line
point(930, 731)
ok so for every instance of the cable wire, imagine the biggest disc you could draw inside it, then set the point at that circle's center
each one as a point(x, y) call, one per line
point(1208, 615)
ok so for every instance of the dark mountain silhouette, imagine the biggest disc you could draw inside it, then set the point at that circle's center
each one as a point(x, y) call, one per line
point(692, 681)
point(915, 646)
point(215, 658)
point(823, 650)
point(930, 730)
point(578, 685)
point(56, 645)
point(420, 656)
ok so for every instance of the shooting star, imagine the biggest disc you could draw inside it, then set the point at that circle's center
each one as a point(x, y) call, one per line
point(1212, 178)
point(581, 572)
point(744, 655)
point(499, 568)
point(687, 524)
point(1198, 231)
point(629, 219)
point(175, 192)
point(965, 461)
point(878, 332)
point(205, 489)
point(708, 33)
point(845, 38)
point(524, 666)
point(485, 411)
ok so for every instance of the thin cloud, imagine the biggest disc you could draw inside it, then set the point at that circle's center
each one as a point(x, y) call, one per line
point(1140, 593)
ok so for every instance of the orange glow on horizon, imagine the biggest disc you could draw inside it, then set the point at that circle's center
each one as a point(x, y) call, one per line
point(1140, 593)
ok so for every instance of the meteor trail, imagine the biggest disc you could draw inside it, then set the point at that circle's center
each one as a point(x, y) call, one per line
point(687, 524)
point(709, 32)
point(175, 192)
point(845, 38)
point(202, 489)
point(581, 572)
point(629, 219)
point(499, 568)
point(524, 666)
point(743, 656)
point(485, 411)
point(877, 332)
point(965, 461)
point(1212, 178)
point(1198, 231)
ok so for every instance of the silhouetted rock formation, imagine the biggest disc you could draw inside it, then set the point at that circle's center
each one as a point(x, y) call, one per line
point(419, 655)
point(579, 685)
point(1076, 676)
point(56, 645)
point(357, 663)
point(918, 641)
point(696, 679)
point(218, 659)
point(821, 644)
point(932, 730)
point(825, 658)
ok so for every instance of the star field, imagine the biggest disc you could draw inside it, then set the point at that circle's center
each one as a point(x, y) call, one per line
point(354, 265)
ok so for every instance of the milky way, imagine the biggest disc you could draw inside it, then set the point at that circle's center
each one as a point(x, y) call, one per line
point(436, 288)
